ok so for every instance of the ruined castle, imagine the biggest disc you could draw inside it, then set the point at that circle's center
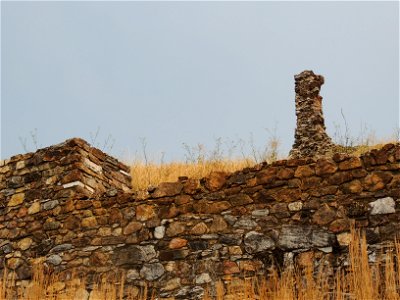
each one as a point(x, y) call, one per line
point(70, 208)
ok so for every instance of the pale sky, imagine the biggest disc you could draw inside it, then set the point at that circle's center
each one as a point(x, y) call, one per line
point(191, 72)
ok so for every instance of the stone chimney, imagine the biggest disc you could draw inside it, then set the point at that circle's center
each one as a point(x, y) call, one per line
point(310, 136)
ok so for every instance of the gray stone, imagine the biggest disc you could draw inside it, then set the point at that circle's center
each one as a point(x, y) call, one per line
point(231, 239)
point(6, 248)
point(245, 223)
point(8, 192)
point(321, 238)
point(326, 249)
point(256, 242)
point(159, 232)
point(62, 247)
point(133, 254)
point(295, 206)
point(260, 212)
point(304, 237)
point(50, 204)
point(383, 206)
point(195, 293)
point(210, 236)
point(230, 219)
point(54, 259)
point(132, 275)
point(203, 278)
point(152, 272)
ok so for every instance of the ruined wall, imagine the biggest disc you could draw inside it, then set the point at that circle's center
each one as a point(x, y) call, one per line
point(310, 139)
point(181, 236)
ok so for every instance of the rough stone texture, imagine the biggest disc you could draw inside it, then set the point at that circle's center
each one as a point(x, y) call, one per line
point(257, 242)
point(311, 139)
point(152, 272)
point(183, 236)
point(383, 206)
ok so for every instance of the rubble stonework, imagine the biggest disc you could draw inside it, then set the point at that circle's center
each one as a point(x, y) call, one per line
point(181, 236)
point(311, 139)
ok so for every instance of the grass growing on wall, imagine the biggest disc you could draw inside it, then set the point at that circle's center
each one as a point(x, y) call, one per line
point(361, 280)
point(200, 164)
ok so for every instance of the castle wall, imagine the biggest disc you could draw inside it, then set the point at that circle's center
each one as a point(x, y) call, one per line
point(181, 236)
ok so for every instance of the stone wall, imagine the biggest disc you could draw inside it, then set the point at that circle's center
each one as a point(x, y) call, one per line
point(310, 139)
point(69, 207)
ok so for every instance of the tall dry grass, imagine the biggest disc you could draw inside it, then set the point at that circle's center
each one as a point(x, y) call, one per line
point(361, 280)
point(226, 156)
point(199, 162)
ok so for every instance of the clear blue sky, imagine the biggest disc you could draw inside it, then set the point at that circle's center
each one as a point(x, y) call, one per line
point(191, 72)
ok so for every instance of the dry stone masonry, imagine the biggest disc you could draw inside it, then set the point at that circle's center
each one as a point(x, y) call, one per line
point(70, 208)
point(311, 139)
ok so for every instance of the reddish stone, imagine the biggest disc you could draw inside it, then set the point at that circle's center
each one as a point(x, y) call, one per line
point(167, 189)
point(285, 173)
point(115, 216)
point(219, 224)
point(339, 225)
point(352, 187)
point(324, 215)
point(175, 229)
point(22, 212)
point(191, 186)
point(338, 157)
point(325, 166)
point(232, 191)
point(351, 163)
point(381, 157)
point(251, 182)
point(286, 194)
point(358, 173)
point(182, 199)
point(112, 240)
point(296, 162)
point(215, 180)
point(267, 175)
point(304, 171)
point(340, 177)
point(377, 180)
point(89, 222)
point(83, 204)
point(280, 209)
point(74, 175)
point(397, 153)
point(132, 227)
point(230, 267)
point(177, 243)
point(310, 182)
point(199, 229)
point(145, 212)
point(240, 199)
point(100, 211)
point(203, 206)
point(322, 191)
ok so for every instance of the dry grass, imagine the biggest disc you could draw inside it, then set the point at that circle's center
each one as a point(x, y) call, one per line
point(145, 174)
point(360, 280)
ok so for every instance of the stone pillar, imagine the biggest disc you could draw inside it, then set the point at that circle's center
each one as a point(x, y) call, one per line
point(310, 136)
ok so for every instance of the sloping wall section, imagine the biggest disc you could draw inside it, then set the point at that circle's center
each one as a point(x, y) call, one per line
point(70, 207)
